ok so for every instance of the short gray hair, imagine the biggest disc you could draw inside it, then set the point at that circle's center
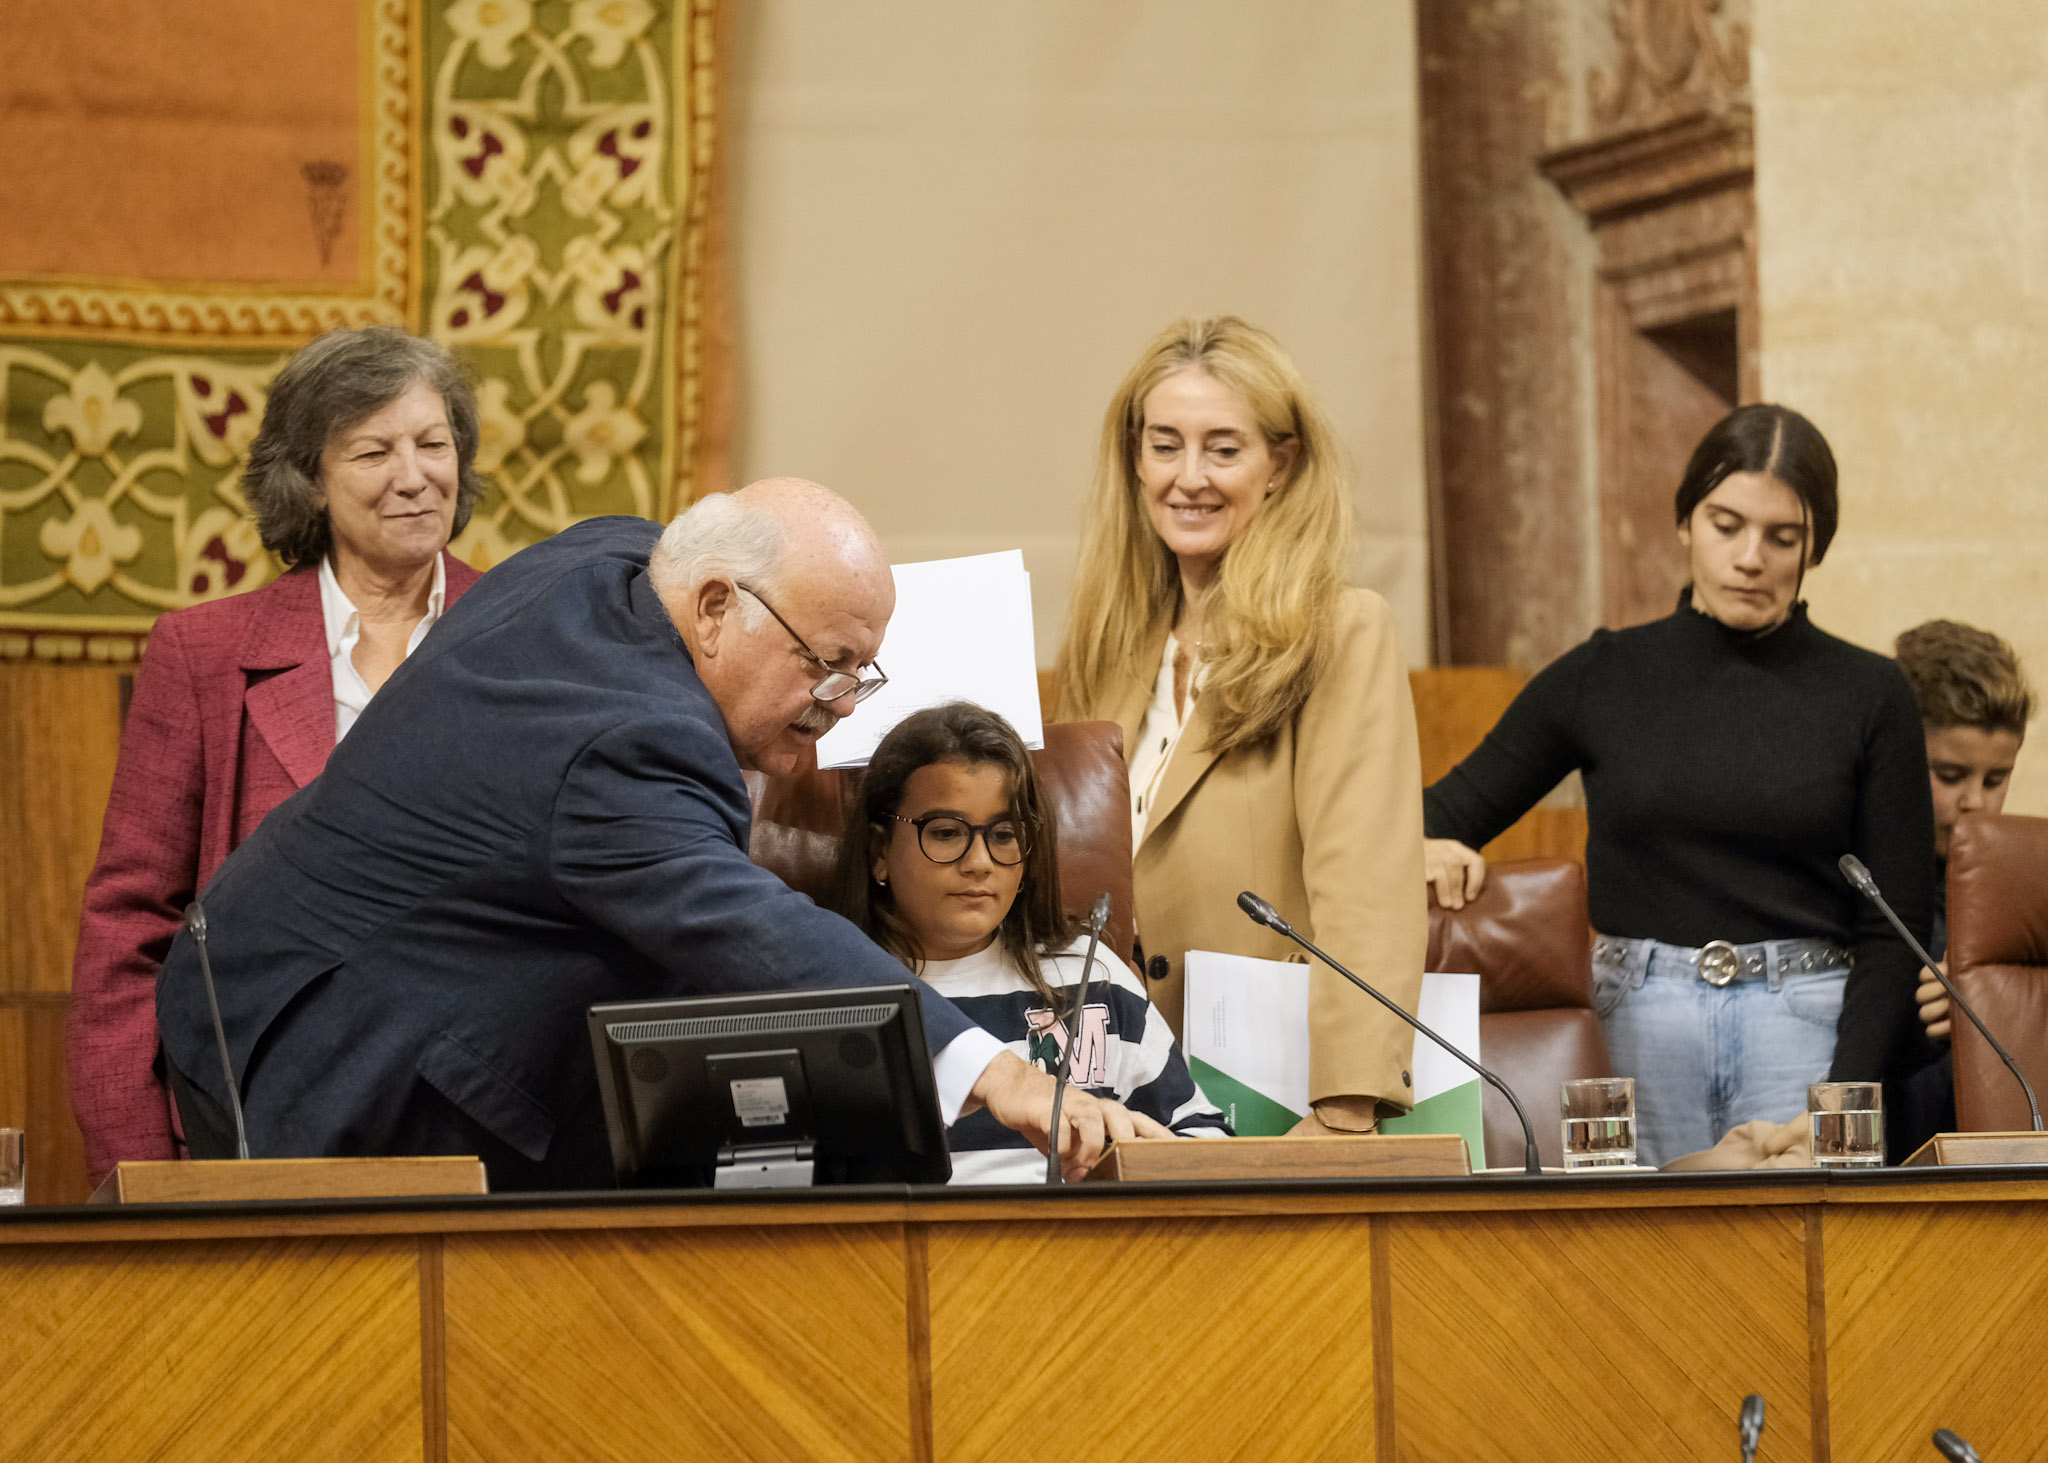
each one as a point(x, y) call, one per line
point(339, 381)
point(719, 536)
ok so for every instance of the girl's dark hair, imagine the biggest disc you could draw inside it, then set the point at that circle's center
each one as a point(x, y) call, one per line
point(1775, 440)
point(956, 732)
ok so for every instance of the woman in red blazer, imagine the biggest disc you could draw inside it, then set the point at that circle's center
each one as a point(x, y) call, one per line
point(362, 472)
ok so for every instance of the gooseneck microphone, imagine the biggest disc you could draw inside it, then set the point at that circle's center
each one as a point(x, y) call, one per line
point(1853, 870)
point(1752, 1425)
point(195, 921)
point(1954, 1448)
point(1097, 918)
point(1263, 913)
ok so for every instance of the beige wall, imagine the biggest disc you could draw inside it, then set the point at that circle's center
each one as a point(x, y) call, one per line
point(1902, 194)
point(954, 227)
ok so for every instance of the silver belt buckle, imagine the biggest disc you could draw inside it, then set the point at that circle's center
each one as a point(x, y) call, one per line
point(1718, 962)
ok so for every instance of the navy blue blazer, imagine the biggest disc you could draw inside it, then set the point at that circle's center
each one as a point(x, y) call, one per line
point(538, 811)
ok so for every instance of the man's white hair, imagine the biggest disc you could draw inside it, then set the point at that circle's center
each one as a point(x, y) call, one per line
point(719, 536)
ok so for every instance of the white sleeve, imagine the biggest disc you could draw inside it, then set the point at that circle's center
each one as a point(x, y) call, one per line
point(959, 1065)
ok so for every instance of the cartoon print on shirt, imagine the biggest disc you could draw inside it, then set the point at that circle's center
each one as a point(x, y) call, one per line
point(1046, 1041)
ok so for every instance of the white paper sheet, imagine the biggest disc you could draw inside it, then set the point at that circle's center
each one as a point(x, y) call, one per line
point(961, 632)
point(1247, 1020)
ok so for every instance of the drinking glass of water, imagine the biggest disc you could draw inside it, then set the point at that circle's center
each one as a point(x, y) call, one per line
point(13, 1165)
point(1599, 1123)
point(1848, 1124)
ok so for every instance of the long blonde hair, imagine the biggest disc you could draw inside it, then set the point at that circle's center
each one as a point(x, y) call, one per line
point(1267, 617)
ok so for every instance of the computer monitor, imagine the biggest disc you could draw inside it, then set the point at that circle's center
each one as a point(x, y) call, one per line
point(773, 1090)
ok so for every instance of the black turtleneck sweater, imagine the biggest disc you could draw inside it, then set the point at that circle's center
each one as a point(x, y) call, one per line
point(1725, 775)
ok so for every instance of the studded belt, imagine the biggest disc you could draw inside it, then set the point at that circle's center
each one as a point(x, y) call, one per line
point(1720, 962)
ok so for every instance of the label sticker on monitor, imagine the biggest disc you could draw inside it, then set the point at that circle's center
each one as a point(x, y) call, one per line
point(761, 1102)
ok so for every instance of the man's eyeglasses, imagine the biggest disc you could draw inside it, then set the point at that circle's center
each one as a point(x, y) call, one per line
point(833, 684)
point(945, 839)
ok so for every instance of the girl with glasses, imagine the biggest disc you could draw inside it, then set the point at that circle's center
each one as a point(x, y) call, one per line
point(951, 865)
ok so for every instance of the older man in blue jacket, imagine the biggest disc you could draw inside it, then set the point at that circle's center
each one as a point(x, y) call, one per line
point(544, 809)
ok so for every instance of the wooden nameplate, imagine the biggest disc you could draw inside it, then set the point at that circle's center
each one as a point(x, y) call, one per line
point(236, 1181)
point(1209, 1160)
point(1962, 1150)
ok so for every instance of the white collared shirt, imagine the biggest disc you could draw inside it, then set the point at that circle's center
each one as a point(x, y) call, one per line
point(1158, 738)
point(345, 629)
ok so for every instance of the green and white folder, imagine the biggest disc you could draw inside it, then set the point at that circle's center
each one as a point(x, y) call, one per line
point(1245, 1035)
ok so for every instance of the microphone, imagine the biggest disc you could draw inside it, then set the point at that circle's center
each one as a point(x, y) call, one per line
point(195, 921)
point(1263, 913)
point(1097, 918)
point(1852, 869)
point(1752, 1425)
point(1954, 1448)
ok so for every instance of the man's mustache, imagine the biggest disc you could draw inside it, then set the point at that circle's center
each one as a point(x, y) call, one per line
point(817, 718)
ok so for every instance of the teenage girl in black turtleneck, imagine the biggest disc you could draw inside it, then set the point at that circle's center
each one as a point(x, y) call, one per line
point(1731, 754)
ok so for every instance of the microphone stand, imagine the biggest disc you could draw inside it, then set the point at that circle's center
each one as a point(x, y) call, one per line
point(195, 921)
point(1854, 871)
point(1097, 918)
point(1260, 912)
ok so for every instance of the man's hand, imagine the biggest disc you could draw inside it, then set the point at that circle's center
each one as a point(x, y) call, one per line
point(1019, 1096)
point(1456, 872)
point(1933, 1007)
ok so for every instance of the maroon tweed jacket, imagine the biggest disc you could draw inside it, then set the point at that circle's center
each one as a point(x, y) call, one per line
point(233, 713)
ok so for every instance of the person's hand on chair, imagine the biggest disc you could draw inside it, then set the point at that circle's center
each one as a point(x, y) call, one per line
point(1455, 872)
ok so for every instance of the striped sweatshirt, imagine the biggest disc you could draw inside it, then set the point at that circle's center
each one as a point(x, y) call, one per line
point(1126, 1052)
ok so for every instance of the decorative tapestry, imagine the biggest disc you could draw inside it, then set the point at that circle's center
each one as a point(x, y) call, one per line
point(527, 181)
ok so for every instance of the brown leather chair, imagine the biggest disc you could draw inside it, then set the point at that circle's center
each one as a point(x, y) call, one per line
point(799, 820)
point(1527, 939)
point(1998, 959)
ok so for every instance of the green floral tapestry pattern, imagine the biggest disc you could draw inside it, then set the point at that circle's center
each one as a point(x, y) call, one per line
point(559, 155)
point(551, 226)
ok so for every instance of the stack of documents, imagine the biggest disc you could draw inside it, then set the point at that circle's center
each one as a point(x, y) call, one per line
point(1245, 1035)
point(961, 632)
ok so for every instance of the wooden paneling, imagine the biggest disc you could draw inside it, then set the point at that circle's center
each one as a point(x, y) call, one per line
point(1598, 1335)
point(741, 1343)
point(258, 1350)
point(1455, 707)
point(33, 1097)
point(1598, 1318)
point(60, 731)
point(1182, 1339)
point(1924, 1311)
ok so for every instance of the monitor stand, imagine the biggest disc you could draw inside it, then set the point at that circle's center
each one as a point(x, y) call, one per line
point(766, 1166)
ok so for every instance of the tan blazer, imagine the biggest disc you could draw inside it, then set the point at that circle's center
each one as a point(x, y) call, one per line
point(1324, 820)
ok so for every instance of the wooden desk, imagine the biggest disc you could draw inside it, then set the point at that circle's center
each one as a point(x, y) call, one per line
point(1429, 1319)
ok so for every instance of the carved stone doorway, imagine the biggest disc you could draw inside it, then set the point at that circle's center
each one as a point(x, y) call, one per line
point(1672, 210)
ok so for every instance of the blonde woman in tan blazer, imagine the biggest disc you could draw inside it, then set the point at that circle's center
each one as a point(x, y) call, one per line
point(1264, 703)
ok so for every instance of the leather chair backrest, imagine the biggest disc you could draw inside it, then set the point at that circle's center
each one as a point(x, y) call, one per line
point(1527, 939)
point(1998, 959)
point(799, 820)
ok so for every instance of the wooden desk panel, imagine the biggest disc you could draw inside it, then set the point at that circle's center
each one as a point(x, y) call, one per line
point(1172, 1338)
point(1418, 1320)
point(626, 1346)
point(258, 1350)
point(1937, 1317)
point(1623, 1334)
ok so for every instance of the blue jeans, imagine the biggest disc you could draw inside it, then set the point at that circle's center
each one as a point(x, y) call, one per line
point(1706, 1058)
